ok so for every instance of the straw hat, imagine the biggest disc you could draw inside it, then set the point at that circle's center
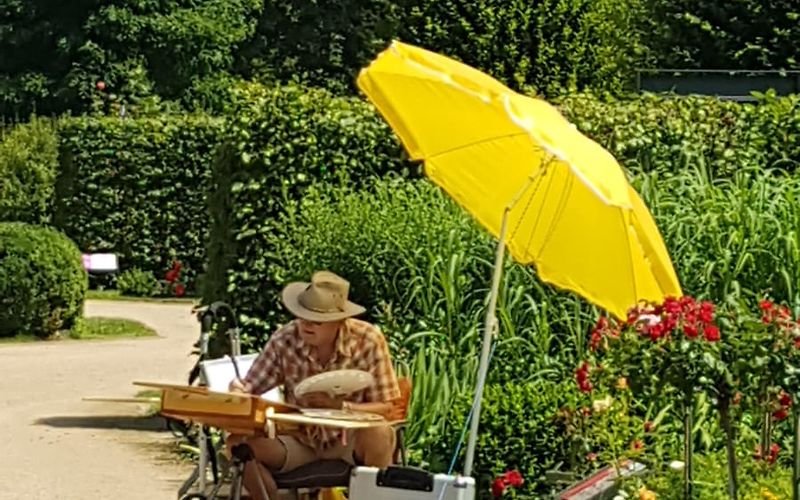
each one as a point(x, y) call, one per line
point(323, 299)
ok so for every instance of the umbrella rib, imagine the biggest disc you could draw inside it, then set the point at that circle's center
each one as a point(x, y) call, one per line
point(562, 203)
point(630, 258)
point(471, 144)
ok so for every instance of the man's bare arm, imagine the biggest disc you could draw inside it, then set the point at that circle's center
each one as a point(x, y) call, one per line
point(384, 409)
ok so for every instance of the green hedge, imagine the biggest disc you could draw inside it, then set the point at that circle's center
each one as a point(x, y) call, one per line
point(28, 169)
point(138, 188)
point(42, 280)
point(277, 142)
point(650, 132)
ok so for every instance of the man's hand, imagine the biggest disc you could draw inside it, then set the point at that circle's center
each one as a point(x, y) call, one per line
point(237, 385)
point(322, 400)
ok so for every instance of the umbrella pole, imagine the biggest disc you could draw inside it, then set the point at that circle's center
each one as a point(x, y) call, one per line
point(488, 333)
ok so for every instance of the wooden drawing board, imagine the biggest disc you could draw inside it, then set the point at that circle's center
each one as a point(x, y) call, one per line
point(300, 419)
point(242, 413)
point(203, 395)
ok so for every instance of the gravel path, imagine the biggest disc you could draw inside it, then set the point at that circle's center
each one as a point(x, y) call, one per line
point(55, 446)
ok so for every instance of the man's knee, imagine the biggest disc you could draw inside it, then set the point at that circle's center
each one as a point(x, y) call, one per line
point(375, 446)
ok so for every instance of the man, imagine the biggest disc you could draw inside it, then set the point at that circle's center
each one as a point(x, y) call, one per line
point(325, 336)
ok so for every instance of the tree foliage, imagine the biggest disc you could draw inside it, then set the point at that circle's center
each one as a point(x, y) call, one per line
point(741, 34)
point(549, 44)
point(54, 52)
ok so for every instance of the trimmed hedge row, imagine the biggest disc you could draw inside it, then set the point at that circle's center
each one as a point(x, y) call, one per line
point(278, 142)
point(137, 188)
point(651, 132)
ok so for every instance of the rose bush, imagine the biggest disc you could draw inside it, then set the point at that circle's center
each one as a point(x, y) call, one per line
point(670, 349)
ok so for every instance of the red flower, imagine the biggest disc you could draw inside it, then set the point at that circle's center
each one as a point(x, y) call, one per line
point(687, 303)
point(594, 341)
point(582, 377)
point(766, 305)
point(797, 342)
point(513, 478)
point(706, 312)
point(498, 487)
point(637, 445)
point(785, 399)
point(100, 85)
point(711, 333)
point(510, 478)
point(672, 305)
point(180, 290)
point(171, 276)
point(176, 265)
point(690, 329)
point(773, 453)
point(649, 426)
point(656, 331)
point(780, 414)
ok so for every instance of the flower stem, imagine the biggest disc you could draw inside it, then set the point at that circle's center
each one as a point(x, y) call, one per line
point(730, 440)
point(687, 446)
point(796, 457)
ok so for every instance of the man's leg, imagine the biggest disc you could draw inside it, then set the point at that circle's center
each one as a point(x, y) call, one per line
point(374, 446)
point(267, 452)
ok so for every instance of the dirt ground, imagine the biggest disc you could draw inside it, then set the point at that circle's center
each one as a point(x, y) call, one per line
point(55, 446)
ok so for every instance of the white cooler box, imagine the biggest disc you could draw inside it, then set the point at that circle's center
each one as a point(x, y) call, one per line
point(405, 483)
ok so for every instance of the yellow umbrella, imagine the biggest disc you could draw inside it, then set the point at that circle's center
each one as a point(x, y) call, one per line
point(554, 197)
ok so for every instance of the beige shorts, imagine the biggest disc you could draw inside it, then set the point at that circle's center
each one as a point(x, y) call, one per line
point(299, 454)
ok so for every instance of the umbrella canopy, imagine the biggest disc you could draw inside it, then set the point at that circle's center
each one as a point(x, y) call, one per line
point(569, 209)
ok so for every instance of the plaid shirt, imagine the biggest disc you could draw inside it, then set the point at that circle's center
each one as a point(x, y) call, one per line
point(287, 360)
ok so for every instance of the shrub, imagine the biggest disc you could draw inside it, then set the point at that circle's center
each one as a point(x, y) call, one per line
point(137, 188)
point(28, 166)
point(42, 280)
point(277, 142)
point(138, 283)
point(520, 429)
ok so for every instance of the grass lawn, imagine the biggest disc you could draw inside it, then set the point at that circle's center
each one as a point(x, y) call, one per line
point(103, 328)
point(95, 328)
point(18, 339)
point(115, 295)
